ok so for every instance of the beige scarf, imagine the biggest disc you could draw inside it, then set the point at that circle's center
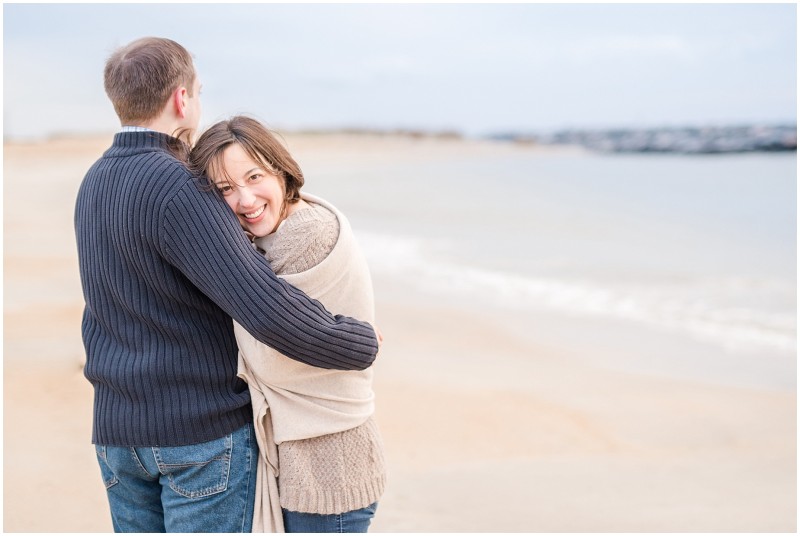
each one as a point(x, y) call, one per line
point(292, 400)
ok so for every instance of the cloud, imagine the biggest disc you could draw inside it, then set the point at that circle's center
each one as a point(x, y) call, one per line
point(625, 47)
point(468, 66)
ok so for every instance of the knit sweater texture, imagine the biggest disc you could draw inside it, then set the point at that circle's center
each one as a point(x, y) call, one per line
point(164, 267)
point(315, 428)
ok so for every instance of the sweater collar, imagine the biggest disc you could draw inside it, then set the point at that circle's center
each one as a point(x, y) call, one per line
point(137, 142)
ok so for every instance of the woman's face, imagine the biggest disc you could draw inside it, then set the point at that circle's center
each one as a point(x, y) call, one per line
point(254, 194)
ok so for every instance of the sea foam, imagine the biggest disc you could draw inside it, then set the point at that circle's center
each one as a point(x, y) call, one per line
point(735, 313)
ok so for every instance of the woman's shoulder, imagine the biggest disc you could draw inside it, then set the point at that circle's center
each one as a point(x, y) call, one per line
point(310, 214)
point(303, 240)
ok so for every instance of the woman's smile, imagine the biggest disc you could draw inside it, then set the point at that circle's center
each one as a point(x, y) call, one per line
point(252, 216)
point(252, 190)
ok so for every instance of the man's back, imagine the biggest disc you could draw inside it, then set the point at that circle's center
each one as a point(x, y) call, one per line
point(156, 345)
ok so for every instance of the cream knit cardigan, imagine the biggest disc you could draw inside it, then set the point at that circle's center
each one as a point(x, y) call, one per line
point(292, 400)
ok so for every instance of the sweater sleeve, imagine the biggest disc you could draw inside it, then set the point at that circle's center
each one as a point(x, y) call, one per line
point(202, 238)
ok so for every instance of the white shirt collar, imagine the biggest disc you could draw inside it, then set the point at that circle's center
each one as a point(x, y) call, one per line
point(130, 128)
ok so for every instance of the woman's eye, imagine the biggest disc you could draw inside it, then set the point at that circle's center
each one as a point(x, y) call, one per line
point(255, 177)
point(224, 190)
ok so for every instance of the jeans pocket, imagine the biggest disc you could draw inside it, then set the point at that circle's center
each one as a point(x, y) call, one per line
point(196, 471)
point(109, 478)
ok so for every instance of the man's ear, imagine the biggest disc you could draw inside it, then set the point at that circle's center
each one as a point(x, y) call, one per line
point(179, 101)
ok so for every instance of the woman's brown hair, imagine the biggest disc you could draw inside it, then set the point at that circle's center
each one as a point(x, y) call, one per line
point(261, 144)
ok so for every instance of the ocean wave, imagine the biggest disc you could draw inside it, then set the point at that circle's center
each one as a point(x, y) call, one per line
point(717, 310)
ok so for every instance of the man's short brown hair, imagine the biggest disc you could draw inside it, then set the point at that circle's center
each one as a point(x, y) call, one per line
point(140, 77)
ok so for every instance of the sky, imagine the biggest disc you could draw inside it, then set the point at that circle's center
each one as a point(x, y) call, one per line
point(474, 68)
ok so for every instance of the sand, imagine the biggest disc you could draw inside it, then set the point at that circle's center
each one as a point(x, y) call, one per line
point(487, 428)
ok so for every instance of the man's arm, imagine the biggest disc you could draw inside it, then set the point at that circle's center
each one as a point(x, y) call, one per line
point(203, 239)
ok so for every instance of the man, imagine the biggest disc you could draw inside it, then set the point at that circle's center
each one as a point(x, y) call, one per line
point(164, 267)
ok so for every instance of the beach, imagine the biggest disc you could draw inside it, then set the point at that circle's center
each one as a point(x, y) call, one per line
point(550, 399)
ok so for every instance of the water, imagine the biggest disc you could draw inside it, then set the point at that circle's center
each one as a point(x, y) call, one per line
point(700, 246)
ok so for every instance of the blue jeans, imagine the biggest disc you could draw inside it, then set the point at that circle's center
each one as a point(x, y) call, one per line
point(208, 487)
point(353, 521)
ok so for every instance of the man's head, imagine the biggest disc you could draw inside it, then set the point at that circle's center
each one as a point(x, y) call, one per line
point(149, 76)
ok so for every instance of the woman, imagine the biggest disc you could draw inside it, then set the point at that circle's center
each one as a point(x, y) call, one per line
point(321, 467)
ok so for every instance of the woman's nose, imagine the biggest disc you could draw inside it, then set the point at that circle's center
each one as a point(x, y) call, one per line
point(246, 197)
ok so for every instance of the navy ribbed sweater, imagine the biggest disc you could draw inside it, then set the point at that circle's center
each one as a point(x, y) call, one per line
point(164, 266)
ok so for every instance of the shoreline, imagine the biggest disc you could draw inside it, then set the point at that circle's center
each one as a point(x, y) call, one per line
point(703, 139)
